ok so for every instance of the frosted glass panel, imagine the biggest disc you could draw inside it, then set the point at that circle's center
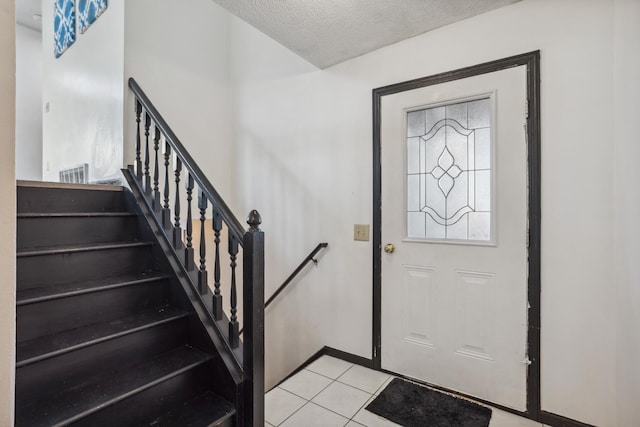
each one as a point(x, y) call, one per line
point(433, 116)
point(415, 222)
point(483, 148)
point(415, 123)
point(457, 112)
point(433, 229)
point(413, 155)
point(479, 113)
point(483, 191)
point(449, 172)
point(413, 193)
point(480, 226)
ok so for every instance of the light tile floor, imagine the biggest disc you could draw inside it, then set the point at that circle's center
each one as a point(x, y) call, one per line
point(331, 392)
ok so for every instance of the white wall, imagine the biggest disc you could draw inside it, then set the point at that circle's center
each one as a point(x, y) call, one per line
point(7, 211)
point(627, 204)
point(84, 90)
point(303, 141)
point(28, 103)
point(179, 55)
point(295, 143)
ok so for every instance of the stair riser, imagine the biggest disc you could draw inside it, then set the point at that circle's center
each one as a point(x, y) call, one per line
point(52, 231)
point(56, 200)
point(42, 378)
point(53, 269)
point(66, 387)
point(154, 400)
point(49, 317)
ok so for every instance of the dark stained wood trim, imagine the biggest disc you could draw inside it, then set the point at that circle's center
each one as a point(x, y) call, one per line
point(560, 421)
point(48, 184)
point(377, 230)
point(348, 357)
point(531, 61)
point(330, 351)
point(535, 228)
point(253, 349)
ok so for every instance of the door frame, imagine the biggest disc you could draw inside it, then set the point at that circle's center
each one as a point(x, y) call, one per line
point(531, 61)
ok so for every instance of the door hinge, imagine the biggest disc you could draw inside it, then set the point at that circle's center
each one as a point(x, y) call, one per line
point(526, 109)
point(527, 361)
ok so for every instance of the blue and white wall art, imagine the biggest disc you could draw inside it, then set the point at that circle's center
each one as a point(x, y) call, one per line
point(89, 11)
point(64, 26)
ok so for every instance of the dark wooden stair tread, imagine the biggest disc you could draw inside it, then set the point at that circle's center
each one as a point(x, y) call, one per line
point(104, 338)
point(53, 345)
point(66, 249)
point(73, 214)
point(207, 409)
point(108, 388)
point(46, 293)
point(53, 197)
point(54, 185)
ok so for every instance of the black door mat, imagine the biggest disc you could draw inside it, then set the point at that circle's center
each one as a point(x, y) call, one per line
point(411, 405)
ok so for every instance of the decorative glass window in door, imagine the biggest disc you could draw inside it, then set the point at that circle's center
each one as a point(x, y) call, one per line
point(449, 172)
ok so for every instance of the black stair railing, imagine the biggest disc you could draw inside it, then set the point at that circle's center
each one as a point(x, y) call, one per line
point(311, 257)
point(245, 245)
point(307, 260)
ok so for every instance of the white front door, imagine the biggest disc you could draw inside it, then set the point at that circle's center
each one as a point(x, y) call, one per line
point(454, 206)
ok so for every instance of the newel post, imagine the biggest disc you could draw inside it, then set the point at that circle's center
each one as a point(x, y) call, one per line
point(253, 349)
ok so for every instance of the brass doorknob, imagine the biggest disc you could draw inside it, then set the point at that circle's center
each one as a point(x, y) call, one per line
point(389, 248)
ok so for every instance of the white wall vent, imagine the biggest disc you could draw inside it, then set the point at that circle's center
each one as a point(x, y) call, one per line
point(75, 175)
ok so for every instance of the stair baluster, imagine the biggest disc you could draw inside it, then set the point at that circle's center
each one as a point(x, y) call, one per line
point(177, 230)
point(202, 272)
point(156, 171)
point(244, 361)
point(166, 212)
point(147, 177)
point(234, 329)
point(138, 161)
point(217, 297)
point(188, 251)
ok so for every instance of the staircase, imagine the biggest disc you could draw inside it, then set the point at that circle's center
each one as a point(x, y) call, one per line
point(105, 334)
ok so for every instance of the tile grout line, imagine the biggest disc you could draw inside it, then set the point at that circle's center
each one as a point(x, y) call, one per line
point(318, 405)
point(330, 410)
point(334, 412)
point(294, 412)
point(373, 395)
point(287, 391)
point(326, 376)
point(360, 409)
point(314, 396)
point(334, 380)
point(366, 391)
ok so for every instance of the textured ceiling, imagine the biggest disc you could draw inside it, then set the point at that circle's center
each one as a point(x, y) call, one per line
point(25, 9)
point(327, 32)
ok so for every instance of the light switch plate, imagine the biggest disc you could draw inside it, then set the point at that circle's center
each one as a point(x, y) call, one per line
point(361, 232)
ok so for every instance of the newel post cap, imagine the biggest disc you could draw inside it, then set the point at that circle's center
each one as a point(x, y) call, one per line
point(254, 220)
